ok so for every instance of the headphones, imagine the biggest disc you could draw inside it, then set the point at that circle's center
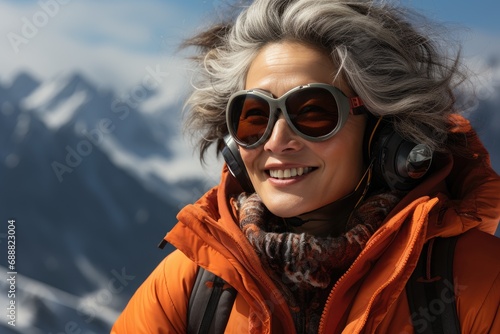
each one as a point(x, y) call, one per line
point(231, 154)
point(397, 163)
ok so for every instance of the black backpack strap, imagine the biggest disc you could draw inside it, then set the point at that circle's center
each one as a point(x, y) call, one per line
point(430, 289)
point(210, 304)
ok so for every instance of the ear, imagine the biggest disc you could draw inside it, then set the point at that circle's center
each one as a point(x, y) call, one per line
point(231, 154)
point(398, 163)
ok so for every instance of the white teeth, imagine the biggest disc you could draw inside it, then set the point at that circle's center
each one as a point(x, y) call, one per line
point(289, 173)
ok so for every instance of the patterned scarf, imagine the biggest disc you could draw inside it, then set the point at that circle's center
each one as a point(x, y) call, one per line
point(303, 266)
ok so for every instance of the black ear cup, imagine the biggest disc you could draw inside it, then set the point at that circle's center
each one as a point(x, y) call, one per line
point(398, 163)
point(232, 156)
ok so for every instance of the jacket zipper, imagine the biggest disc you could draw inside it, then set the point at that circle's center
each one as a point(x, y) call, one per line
point(329, 300)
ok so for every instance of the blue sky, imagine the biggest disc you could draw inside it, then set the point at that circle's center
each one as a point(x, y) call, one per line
point(113, 41)
point(480, 14)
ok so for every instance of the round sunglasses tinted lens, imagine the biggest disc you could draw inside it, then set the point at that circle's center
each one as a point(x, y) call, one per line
point(313, 111)
point(249, 118)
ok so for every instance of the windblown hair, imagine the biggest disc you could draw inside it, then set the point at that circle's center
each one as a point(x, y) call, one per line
point(397, 70)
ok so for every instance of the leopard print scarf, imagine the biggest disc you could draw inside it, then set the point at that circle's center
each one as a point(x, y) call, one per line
point(303, 266)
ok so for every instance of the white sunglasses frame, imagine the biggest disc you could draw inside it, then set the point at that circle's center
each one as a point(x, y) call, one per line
point(345, 105)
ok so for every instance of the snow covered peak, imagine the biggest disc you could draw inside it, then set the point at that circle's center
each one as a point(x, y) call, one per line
point(57, 101)
point(52, 91)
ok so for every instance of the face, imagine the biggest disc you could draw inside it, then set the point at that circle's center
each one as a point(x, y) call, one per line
point(328, 170)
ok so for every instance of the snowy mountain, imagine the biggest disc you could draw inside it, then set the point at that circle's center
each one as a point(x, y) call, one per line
point(94, 183)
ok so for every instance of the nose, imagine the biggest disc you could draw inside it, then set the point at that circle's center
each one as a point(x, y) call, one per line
point(282, 138)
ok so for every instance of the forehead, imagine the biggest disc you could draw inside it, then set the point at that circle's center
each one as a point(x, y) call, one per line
point(279, 67)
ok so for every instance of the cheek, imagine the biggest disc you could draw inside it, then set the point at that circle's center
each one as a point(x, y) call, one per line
point(353, 138)
point(342, 158)
point(345, 152)
point(250, 158)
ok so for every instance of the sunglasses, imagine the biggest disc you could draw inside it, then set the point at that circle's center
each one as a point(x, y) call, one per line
point(315, 112)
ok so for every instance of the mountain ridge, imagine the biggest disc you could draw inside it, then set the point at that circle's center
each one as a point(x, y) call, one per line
point(95, 220)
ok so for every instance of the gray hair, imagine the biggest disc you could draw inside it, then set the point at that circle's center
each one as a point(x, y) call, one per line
point(397, 70)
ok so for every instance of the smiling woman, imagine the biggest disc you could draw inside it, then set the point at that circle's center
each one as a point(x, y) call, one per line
point(277, 68)
point(348, 164)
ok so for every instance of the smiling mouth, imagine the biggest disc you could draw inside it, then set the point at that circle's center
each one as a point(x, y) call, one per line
point(289, 173)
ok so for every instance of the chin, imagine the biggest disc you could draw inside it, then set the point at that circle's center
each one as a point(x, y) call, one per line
point(286, 206)
point(284, 213)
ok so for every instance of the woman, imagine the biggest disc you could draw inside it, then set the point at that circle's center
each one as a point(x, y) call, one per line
point(328, 231)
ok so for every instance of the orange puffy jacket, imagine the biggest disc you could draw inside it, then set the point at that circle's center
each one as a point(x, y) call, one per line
point(461, 197)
